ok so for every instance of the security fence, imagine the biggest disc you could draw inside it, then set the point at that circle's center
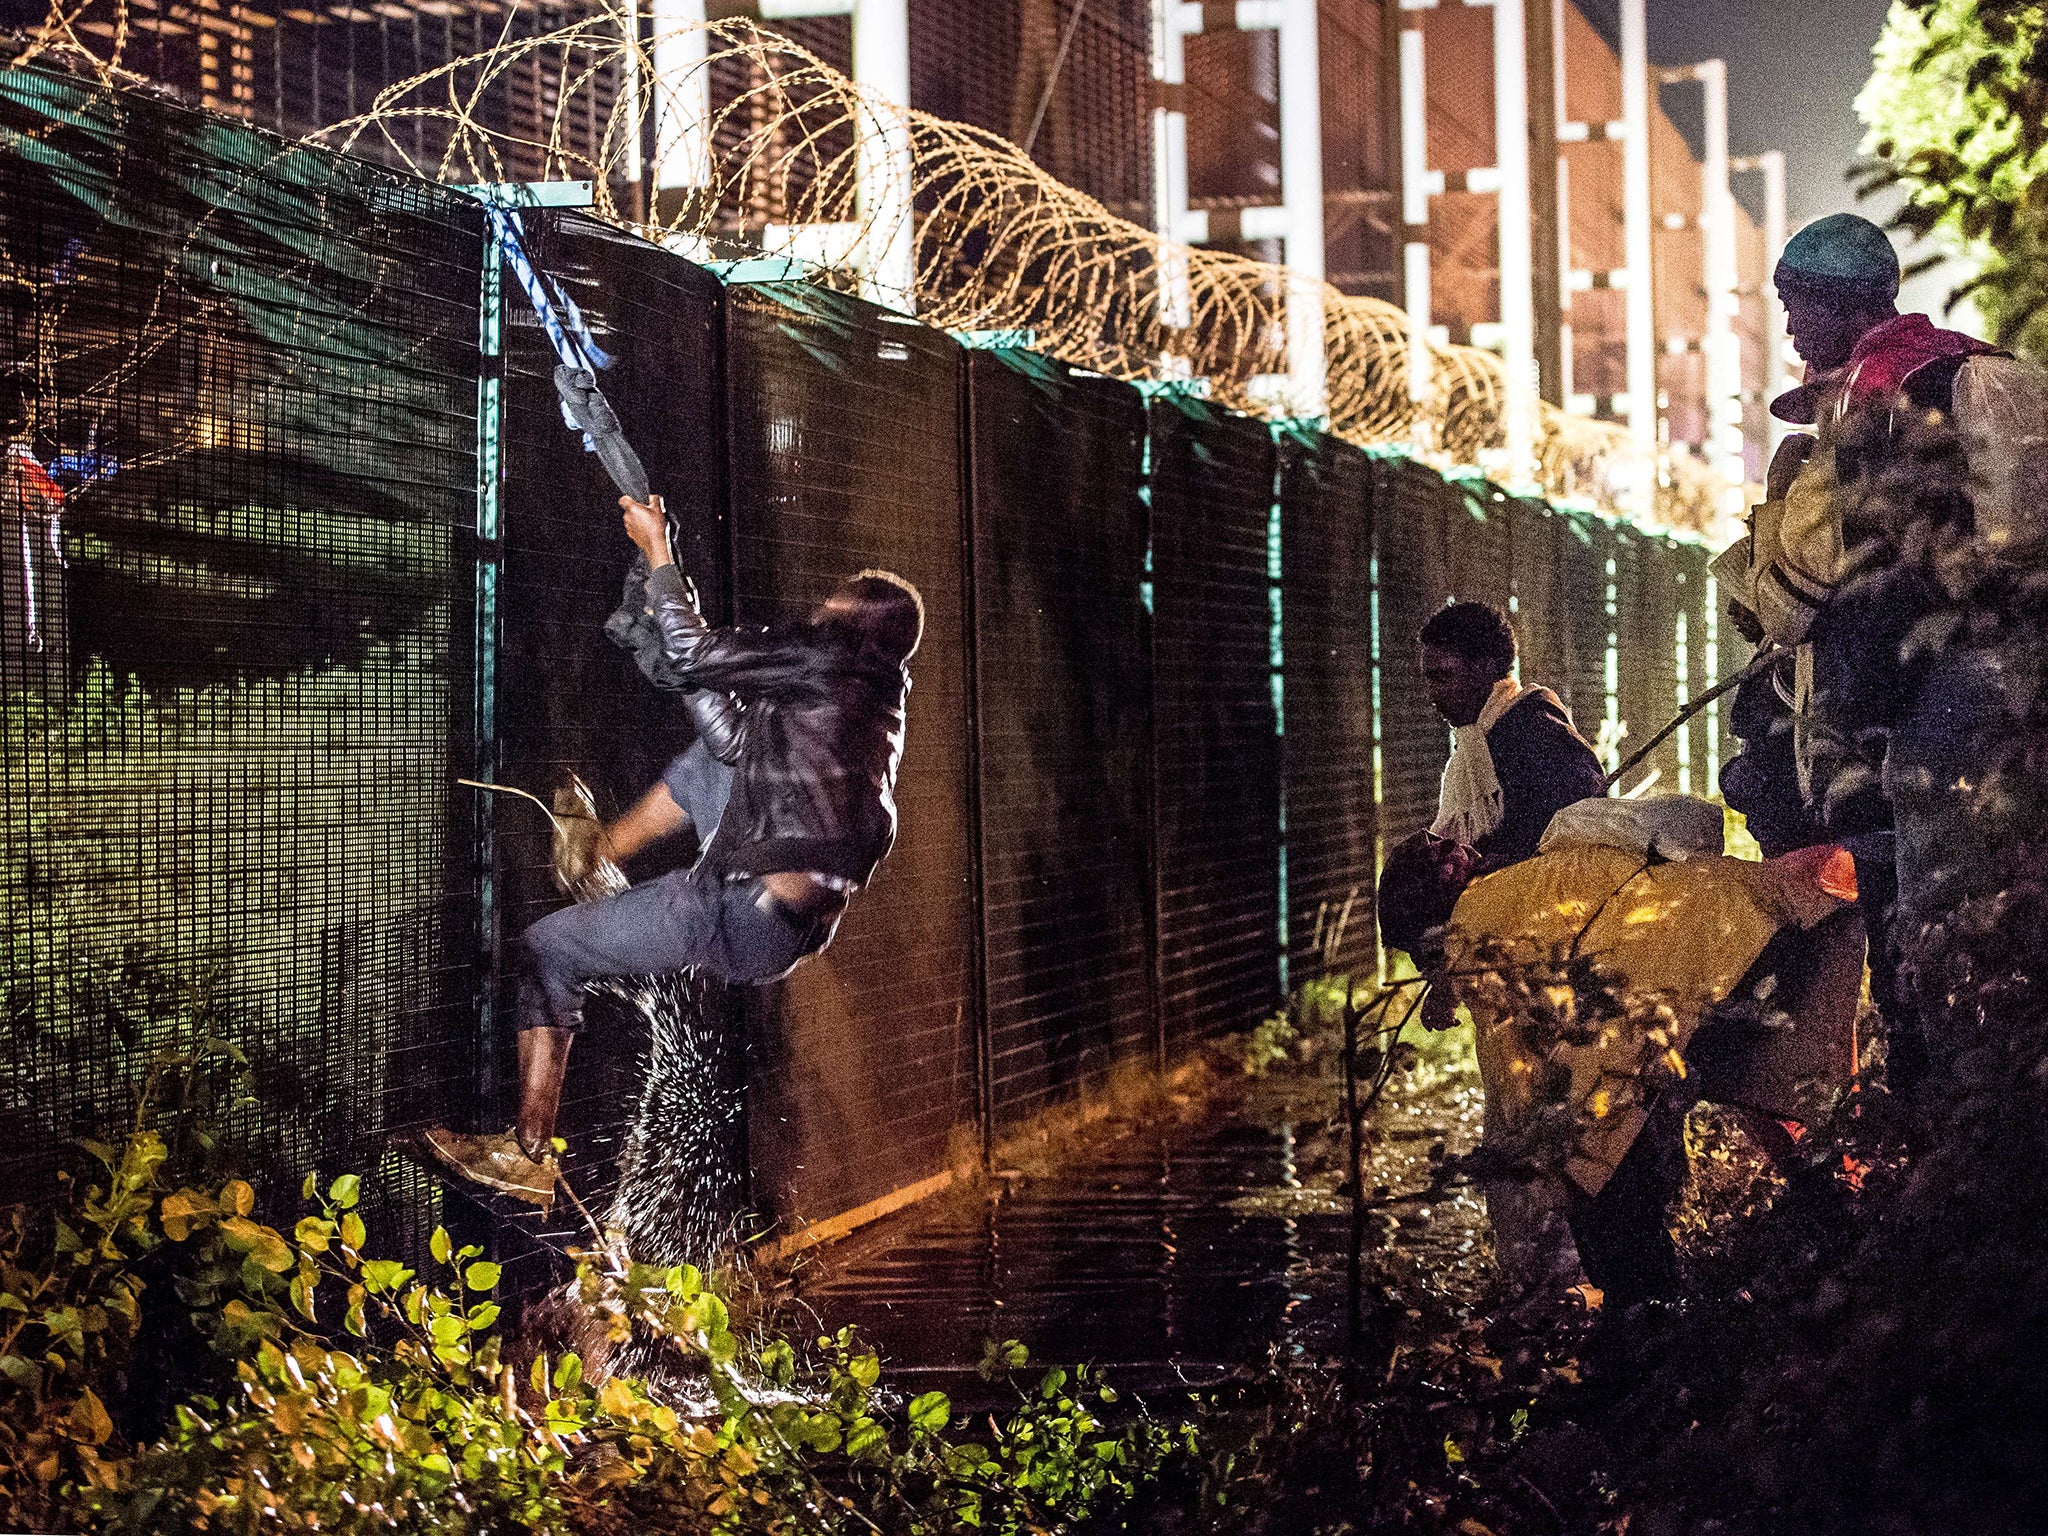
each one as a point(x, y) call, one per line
point(294, 539)
point(238, 676)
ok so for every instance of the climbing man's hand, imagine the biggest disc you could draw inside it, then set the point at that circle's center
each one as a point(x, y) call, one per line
point(647, 527)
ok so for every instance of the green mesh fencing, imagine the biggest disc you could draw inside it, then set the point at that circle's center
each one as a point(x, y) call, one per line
point(236, 658)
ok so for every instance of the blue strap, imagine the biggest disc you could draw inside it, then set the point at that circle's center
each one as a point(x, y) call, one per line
point(556, 311)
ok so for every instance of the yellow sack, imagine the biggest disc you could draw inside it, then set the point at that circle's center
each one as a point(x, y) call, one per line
point(1688, 932)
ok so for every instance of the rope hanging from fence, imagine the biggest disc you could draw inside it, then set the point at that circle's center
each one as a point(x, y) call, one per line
point(729, 140)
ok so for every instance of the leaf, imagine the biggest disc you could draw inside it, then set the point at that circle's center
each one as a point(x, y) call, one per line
point(23, 1373)
point(261, 1243)
point(237, 1197)
point(482, 1276)
point(997, 1358)
point(184, 1209)
point(63, 1325)
point(706, 1314)
point(384, 1274)
point(930, 1412)
point(778, 1362)
point(822, 1433)
point(568, 1373)
point(353, 1234)
point(311, 1187)
point(313, 1235)
point(89, 1421)
point(439, 1245)
point(240, 1319)
point(346, 1190)
point(302, 1297)
point(866, 1438)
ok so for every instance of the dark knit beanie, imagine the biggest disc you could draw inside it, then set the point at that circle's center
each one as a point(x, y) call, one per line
point(1842, 256)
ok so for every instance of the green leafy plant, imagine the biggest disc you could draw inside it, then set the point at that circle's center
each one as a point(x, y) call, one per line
point(1957, 113)
point(361, 1395)
point(70, 1288)
point(1270, 1043)
point(69, 1311)
point(404, 1418)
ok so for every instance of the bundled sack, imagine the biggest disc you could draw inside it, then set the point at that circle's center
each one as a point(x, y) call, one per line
point(1656, 826)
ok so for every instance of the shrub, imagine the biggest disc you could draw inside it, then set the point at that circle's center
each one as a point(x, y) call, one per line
point(362, 1396)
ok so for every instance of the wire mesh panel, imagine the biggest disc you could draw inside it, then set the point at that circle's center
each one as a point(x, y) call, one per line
point(1731, 653)
point(1326, 639)
point(1538, 616)
point(1698, 743)
point(1649, 656)
point(1217, 759)
point(1360, 233)
point(570, 702)
point(1069, 79)
point(1412, 506)
point(1584, 546)
point(1478, 544)
point(297, 68)
point(1233, 110)
point(844, 423)
point(1632, 690)
point(241, 383)
point(1064, 696)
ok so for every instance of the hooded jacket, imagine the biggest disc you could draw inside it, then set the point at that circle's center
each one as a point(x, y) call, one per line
point(811, 716)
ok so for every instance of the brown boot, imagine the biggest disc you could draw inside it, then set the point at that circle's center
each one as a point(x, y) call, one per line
point(496, 1162)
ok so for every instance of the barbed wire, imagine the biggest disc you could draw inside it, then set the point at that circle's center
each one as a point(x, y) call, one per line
point(728, 140)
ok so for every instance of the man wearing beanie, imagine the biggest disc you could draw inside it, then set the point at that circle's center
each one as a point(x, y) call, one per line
point(1839, 282)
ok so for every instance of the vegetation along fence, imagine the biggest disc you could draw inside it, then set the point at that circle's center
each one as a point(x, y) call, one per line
point(294, 539)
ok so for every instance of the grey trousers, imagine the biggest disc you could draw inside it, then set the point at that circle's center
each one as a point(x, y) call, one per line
point(732, 929)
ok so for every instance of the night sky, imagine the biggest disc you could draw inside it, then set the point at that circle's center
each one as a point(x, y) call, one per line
point(1793, 71)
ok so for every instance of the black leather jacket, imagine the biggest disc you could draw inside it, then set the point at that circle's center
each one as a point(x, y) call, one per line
point(810, 715)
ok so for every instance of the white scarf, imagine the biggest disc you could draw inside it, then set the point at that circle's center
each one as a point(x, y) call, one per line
point(1469, 803)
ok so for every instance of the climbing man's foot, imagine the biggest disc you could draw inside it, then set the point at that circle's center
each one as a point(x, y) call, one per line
point(496, 1162)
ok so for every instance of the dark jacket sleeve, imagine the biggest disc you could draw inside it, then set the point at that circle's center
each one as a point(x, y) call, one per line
point(1543, 766)
point(691, 647)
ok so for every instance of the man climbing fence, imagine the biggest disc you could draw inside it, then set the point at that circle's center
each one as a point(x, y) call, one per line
point(790, 788)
